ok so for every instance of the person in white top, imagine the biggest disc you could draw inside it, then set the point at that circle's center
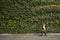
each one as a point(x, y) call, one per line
point(43, 30)
point(44, 27)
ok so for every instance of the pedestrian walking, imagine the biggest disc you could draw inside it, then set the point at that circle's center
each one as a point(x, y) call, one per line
point(43, 30)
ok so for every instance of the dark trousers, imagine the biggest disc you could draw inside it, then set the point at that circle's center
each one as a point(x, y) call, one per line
point(43, 32)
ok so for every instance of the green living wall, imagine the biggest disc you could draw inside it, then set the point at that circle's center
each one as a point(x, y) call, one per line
point(27, 16)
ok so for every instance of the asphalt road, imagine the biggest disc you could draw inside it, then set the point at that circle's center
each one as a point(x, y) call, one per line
point(29, 37)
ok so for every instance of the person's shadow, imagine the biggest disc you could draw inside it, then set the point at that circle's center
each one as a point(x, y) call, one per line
point(37, 34)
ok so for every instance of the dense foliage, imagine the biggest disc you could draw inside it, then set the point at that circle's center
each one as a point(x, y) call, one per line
point(27, 16)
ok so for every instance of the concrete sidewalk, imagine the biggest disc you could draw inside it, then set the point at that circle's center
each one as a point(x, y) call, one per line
point(50, 36)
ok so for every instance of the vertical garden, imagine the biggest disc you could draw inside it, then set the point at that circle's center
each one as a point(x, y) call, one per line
point(27, 16)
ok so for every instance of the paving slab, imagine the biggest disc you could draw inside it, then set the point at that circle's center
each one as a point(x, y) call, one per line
point(50, 36)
